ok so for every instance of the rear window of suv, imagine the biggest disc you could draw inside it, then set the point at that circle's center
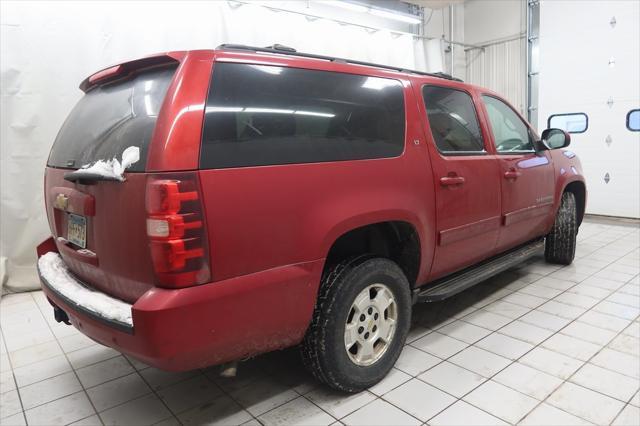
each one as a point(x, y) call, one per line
point(110, 118)
point(265, 115)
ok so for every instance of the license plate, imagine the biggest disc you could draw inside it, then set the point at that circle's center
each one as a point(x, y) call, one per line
point(77, 230)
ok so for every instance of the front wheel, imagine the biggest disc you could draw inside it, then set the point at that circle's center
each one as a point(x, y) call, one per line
point(359, 325)
point(560, 244)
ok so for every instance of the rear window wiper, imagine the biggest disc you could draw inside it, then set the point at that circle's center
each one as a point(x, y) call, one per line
point(82, 175)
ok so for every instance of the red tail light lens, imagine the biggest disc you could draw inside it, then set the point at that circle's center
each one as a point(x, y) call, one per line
point(175, 226)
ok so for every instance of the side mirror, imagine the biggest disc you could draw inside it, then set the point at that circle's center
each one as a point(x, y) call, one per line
point(555, 138)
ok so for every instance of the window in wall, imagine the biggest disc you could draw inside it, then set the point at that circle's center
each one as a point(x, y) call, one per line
point(575, 122)
point(453, 120)
point(510, 133)
point(265, 115)
point(633, 120)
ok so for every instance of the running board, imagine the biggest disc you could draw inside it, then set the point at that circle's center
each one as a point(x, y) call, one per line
point(459, 281)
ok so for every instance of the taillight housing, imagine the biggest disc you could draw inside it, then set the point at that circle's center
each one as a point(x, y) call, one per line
point(176, 230)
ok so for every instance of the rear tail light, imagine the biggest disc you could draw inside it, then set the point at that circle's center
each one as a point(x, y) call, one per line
point(176, 230)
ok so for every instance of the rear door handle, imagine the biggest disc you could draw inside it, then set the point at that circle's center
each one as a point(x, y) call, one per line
point(451, 180)
point(512, 174)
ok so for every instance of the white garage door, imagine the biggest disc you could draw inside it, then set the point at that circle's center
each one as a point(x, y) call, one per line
point(590, 63)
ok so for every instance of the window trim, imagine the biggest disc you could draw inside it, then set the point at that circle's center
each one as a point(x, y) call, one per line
point(454, 153)
point(629, 116)
point(586, 127)
point(526, 124)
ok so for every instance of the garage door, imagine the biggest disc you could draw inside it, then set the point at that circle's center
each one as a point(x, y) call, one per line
point(590, 66)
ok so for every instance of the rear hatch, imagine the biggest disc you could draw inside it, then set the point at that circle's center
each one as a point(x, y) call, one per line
point(98, 222)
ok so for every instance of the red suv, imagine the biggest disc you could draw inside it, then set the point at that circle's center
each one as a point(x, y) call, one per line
point(207, 206)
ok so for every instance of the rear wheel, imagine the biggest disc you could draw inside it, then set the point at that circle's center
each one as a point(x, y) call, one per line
point(560, 244)
point(359, 325)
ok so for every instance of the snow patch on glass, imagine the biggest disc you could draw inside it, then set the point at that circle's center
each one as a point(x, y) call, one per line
point(114, 169)
point(55, 272)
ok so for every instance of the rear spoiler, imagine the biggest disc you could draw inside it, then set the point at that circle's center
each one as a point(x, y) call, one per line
point(127, 68)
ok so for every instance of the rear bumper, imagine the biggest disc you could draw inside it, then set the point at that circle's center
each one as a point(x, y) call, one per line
point(209, 324)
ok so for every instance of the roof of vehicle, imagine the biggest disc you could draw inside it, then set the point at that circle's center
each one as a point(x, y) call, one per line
point(278, 49)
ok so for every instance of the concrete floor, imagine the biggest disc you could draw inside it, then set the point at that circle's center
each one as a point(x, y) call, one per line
point(537, 345)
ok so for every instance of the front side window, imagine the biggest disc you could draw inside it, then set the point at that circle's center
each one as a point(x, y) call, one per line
point(573, 122)
point(510, 133)
point(453, 120)
point(260, 115)
point(633, 120)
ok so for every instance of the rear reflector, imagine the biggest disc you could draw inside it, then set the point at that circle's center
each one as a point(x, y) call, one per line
point(175, 226)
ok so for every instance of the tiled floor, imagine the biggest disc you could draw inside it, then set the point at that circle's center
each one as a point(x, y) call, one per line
point(536, 345)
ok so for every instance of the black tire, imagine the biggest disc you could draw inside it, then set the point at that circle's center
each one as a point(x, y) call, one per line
point(560, 244)
point(323, 348)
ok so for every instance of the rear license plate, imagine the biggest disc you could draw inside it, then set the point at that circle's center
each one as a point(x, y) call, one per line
point(77, 230)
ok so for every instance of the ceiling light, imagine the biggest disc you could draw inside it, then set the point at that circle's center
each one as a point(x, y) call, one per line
point(348, 5)
point(397, 16)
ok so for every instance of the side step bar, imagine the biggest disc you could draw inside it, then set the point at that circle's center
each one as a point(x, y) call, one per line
point(459, 281)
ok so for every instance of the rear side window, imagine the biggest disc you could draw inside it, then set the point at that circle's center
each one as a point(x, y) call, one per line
point(453, 120)
point(265, 115)
point(110, 118)
point(574, 122)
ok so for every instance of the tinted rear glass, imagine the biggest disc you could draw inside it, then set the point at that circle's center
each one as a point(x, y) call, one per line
point(261, 115)
point(110, 118)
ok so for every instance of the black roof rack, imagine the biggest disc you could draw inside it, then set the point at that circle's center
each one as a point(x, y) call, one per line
point(285, 50)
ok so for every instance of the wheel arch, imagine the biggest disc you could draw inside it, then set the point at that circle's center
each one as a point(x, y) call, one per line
point(579, 190)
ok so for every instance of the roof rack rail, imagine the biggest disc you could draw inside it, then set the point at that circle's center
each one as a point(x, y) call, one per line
point(285, 50)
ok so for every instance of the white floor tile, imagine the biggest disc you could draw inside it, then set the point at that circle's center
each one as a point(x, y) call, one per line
point(392, 380)
point(548, 415)
point(35, 353)
point(585, 403)
point(606, 381)
point(630, 416)
point(551, 362)
point(419, 399)
point(337, 403)
point(377, 413)
point(571, 346)
point(41, 370)
point(160, 379)
point(589, 333)
point(480, 361)
point(507, 309)
point(414, 361)
point(627, 344)
point(505, 346)
point(528, 380)
point(561, 309)
point(617, 310)
point(452, 379)
point(608, 322)
point(487, 319)
point(617, 361)
point(7, 382)
point(221, 411)
point(50, 389)
point(101, 372)
point(297, 412)
point(526, 332)
point(115, 392)
point(464, 331)
point(146, 410)
point(545, 320)
point(15, 420)
point(501, 401)
point(61, 411)
point(89, 421)
point(91, 355)
point(9, 403)
point(198, 390)
point(439, 345)
point(464, 414)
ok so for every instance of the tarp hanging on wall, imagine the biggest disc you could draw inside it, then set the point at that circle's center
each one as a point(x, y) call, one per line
point(49, 47)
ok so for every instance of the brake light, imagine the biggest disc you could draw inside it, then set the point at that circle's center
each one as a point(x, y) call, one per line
point(176, 231)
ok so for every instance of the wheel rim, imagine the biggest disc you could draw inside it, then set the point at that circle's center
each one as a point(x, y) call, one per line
point(370, 325)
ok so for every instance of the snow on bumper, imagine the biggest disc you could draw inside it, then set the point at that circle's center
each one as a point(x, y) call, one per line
point(56, 276)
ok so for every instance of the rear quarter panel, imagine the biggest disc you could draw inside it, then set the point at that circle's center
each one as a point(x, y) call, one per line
point(264, 217)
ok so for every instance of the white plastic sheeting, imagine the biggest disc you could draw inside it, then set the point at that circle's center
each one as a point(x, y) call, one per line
point(47, 48)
